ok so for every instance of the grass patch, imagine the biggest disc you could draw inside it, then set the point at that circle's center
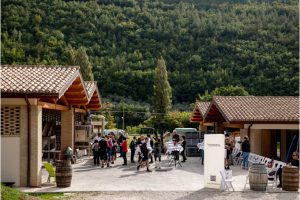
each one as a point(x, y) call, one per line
point(8, 193)
point(48, 196)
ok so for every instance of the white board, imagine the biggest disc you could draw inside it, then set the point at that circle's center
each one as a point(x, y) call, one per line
point(214, 145)
point(10, 159)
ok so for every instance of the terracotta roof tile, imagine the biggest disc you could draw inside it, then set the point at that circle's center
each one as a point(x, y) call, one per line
point(258, 108)
point(90, 87)
point(36, 79)
point(203, 107)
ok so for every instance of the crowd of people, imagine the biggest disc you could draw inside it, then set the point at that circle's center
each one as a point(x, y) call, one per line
point(145, 149)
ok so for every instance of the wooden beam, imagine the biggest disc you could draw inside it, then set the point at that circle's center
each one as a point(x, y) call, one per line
point(75, 90)
point(77, 81)
point(94, 101)
point(75, 87)
point(74, 95)
point(64, 100)
point(78, 93)
point(229, 125)
point(77, 99)
point(78, 110)
point(78, 102)
point(52, 106)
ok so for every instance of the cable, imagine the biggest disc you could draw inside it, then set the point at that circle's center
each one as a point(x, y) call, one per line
point(115, 111)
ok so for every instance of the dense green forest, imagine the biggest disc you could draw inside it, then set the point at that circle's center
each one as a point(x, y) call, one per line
point(206, 44)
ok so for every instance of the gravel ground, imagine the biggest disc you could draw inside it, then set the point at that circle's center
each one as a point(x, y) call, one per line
point(203, 194)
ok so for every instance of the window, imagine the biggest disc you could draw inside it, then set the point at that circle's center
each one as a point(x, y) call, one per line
point(10, 120)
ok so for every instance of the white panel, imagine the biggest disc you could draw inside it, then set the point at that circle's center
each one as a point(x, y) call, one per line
point(214, 145)
point(10, 159)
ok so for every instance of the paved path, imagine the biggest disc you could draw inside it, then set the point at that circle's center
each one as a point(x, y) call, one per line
point(197, 195)
point(188, 178)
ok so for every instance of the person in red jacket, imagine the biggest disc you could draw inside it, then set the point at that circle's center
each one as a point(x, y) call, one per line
point(124, 150)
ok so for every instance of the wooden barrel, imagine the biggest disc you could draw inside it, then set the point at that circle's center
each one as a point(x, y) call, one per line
point(290, 178)
point(63, 173)
point(258, 178)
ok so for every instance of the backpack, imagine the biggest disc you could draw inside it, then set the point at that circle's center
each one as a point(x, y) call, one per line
point(132, 145)
point(110, 143)
point(96, 147)
point(144, 149)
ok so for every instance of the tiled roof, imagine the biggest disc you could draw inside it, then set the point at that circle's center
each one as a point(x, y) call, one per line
point(90, 87)
point(258, 108)
point(199, 111)
point(203, 107)
point(36, 79)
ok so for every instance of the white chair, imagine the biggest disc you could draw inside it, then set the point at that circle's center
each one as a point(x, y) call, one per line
point(237, 160)
point(272, 178)
point(226, 182)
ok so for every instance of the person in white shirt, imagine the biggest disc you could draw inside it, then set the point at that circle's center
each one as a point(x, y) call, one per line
point(200, 146)
point(150, 147)
point(97, 137)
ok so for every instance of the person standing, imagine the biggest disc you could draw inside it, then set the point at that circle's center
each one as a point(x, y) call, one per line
point(109, 147)
point(246, 151)
point(157, 153)
point(183, 144)
point(95, 149)
point(150, 146)
point(132, 149)
point(124, 150)
point(145, 156)
point(120, 140)
point(103, 152)
point(114, 148)
point(200, 146)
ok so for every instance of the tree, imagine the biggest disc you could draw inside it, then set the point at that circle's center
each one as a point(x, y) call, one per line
point(110, 122)
point(224, 91)
point(162, 97)
point(229, 91)
point(79, 57)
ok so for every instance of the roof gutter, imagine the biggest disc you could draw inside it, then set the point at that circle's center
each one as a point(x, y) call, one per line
point(28, 139)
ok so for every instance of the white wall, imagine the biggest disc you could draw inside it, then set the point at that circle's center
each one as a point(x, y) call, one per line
point(214, 145)
point(10, 159)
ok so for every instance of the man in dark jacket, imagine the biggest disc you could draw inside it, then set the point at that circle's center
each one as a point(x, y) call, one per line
point(183, 144)
point(132, 149)
point(246, 152)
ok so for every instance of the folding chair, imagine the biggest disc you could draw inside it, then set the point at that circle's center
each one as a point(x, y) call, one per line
point(272, 179)
point(175, 159)
point(226, 183)
point(237, 160)
point(51, 171)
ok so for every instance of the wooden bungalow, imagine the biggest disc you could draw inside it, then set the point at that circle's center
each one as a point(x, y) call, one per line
point(40, 108)
point(271, 122)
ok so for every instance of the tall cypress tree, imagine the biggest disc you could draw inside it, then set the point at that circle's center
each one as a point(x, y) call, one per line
point(79, 57)
point(162, 97)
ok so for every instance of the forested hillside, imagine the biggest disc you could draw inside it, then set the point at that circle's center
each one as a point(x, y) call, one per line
point(206, 44)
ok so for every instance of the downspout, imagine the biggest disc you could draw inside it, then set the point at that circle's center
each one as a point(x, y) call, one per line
point(28, 140)
point(249, 130)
